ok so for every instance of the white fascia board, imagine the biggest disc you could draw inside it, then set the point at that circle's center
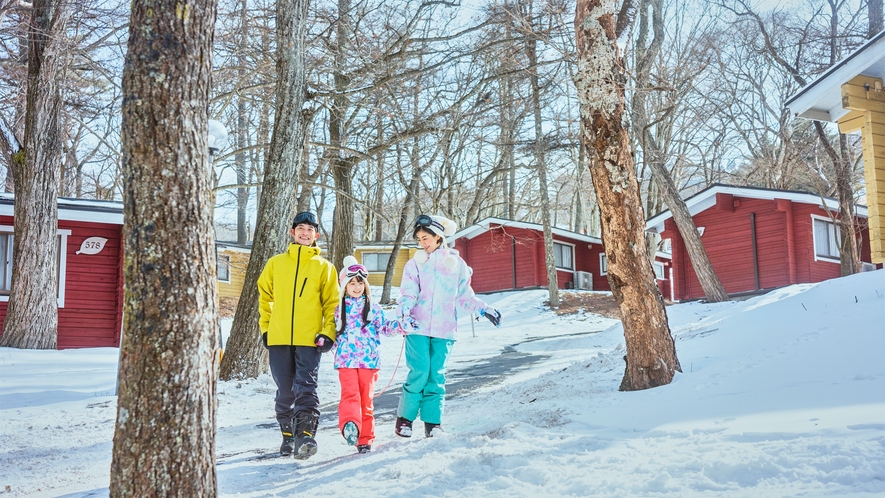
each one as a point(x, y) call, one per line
point(93, 211)
point(817, 98)
point(222, 247)
point(707, 199)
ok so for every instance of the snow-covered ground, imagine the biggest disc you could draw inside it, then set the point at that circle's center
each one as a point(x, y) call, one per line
point(780, 395)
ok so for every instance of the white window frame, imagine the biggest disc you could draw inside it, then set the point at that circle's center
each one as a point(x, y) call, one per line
point(62, 264)
point(382, 253)
point(218, 267)
point(564, 244)
point(658, 265)
point(818, 257)
point(603, 264)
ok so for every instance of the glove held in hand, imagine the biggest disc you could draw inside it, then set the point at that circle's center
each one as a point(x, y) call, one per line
point(323, 343)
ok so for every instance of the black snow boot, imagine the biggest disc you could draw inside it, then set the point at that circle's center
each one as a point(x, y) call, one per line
point(431, 430)
point(305, 431)
point(288, 446)
point(403, 427)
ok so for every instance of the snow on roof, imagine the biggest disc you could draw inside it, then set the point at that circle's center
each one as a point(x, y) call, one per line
point(485, 225)
point(233, 247)
point(822, 98)
point(89, 210)
point(706, 199)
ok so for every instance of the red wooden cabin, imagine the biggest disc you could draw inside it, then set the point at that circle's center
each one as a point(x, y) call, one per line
point(90, 285)
point(757, 239)
point(507, 255)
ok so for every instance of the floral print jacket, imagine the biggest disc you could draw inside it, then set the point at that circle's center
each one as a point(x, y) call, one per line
point(357, 345)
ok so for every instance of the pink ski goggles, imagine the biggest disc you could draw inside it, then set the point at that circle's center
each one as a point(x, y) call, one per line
point(356, 271)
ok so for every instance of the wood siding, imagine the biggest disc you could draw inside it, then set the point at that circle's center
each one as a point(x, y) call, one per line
point(513, 258)
point(784, 246)
point(93, 306)
point(377, 278)
point(239, 260)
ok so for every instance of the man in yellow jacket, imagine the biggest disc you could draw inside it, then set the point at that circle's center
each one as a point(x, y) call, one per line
point(297, 295)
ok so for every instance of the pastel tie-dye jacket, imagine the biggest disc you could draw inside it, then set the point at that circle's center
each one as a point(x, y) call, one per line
point(357, 346)
point(434, 291)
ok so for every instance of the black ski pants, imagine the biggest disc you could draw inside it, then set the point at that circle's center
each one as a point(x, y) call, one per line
point(295, 369)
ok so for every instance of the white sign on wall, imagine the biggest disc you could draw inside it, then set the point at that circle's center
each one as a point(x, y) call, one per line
point(92, 245)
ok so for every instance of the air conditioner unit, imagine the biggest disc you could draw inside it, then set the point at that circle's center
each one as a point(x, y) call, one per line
point(583, 280)
point(867, 267)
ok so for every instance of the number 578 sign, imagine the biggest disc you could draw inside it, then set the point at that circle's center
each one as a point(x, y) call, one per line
point(92, 245)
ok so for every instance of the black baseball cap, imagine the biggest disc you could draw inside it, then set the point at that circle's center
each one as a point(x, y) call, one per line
point(305, 217)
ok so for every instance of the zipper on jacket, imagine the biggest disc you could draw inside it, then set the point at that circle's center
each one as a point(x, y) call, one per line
point(302, 287)
point(294, 288)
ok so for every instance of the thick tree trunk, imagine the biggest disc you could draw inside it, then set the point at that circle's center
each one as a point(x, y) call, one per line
point(32, 316)
point(164, 441)
point(651, 352)
point(244, 355)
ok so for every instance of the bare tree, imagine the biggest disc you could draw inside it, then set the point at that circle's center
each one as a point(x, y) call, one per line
point(164, 440)
point(539, 153)
point(245, 357)
point(32, 316)
point(651, 352)
point(655, 156)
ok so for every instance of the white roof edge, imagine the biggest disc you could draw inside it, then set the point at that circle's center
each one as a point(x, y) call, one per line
point(850, 66)
point(83, 209)
point(707, 198)
point(483, 225)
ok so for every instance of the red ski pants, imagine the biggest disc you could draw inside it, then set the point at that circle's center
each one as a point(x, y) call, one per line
point(357, 405)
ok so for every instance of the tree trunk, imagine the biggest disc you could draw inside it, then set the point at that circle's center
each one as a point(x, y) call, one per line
point(655, 158)
point(244, 355)
point(651, 352)
point(541, 164)
point(32, 314)
point(402, 228)
point(164, 440)
point(875, 15)
point(342, 168)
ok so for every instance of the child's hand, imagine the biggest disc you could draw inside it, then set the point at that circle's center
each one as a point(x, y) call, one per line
point(323, 343)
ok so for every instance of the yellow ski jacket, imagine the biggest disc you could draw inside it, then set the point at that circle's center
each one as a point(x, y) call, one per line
point(297, 295)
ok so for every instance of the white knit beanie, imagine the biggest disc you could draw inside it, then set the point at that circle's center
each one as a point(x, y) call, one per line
point(442, 227)
point(349, 267)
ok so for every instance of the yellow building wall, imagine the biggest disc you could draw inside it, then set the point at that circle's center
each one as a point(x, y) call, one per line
point(868, 116)
point(238, 262)
point(377, 278)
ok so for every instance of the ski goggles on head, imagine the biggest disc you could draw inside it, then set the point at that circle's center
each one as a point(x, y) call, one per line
point(356, 271)
point(305, 217)
point(428, 222)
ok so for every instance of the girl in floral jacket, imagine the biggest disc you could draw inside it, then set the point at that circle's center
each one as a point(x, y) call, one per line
point(435, 285)
point(360, 323)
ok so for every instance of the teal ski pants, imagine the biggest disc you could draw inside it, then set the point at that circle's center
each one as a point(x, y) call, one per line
point(424, 392)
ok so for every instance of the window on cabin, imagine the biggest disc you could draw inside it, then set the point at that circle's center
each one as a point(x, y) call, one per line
point(826, 239)
point(223, 264)
point(603, 264)
point(659, 270)
point(7, 240)
point(563, 256)
point(376, 261)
